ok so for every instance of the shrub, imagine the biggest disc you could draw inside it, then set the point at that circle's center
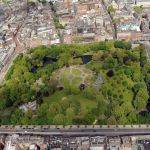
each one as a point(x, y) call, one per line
point(122, 45)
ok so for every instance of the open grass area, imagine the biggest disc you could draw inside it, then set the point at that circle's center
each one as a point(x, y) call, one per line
point(86, 104)
point(76, 72)
point(73, 75)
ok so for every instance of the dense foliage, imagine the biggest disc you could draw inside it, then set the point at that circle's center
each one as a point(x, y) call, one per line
point(121, 98)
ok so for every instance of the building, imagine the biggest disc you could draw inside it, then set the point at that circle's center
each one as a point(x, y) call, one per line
point(114, 143)
point(2, 14)
point(30, 105)
point(34, 147)
point(126, 143)
point(98, 143)
point(129, 36)
point(144, 3)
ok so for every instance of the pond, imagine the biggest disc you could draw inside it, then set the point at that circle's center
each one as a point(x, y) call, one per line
point(86, 58)
point(48, 60)
point(143, 113)
point(146, 111)
point(34, 69)
point(110, 73)
point(148, 106)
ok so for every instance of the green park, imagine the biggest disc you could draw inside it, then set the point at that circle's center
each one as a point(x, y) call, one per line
point(98, 83)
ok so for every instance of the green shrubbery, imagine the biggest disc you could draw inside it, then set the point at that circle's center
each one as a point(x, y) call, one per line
point(122, 45)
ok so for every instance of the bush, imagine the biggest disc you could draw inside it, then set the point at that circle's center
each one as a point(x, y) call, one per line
point(99, 46)
point(122, 45)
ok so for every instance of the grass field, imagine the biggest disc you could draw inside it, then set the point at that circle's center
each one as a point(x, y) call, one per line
point(74, 75)
point(86, 104)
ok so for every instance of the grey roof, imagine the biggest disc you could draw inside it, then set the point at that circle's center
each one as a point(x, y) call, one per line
point(2, 14)
point(142, 0)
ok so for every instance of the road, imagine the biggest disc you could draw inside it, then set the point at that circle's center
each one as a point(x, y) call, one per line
point(7, 66)
point(11, 57)
point(110, 17)
point(81, 131)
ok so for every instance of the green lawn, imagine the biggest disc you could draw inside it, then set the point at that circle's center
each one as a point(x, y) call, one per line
point(86, 104)
point(74, 75)
point(76, 72)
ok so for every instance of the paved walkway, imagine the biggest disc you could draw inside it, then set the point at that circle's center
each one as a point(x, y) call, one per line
point(75, 74)
point(147, 49)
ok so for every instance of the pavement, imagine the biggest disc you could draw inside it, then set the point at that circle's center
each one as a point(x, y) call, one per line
point(147, 49)
point(146, 45)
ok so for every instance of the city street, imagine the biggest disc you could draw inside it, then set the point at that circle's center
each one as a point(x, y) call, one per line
point(79, 131)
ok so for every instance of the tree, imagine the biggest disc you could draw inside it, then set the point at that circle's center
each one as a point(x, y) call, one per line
point(70, 115)
point(70, 112)
point(64, 103)
point(42, 1)
point(111, 10)
point(138, 86)
point(99, 46)
point(89, 93)
point(65, 60)
point(55, 108)
point(16, 117)
point(42, 110)
point(27, 118)
point(89, 118)
point(128, 71)
point(59, 119)
point(74, 89)
point(111, 121)
point(110, 63)
point(127, 107)
point(101, 107)
point(147, 80)
point(123, 120)
point(122, 45)
point(3, 97)
point(116, 20)
point(132, 118)
point(118, 111)
point(103, 46)
point(97, 56)
point(52, 85)
point(141, 99)
point(138, 9)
